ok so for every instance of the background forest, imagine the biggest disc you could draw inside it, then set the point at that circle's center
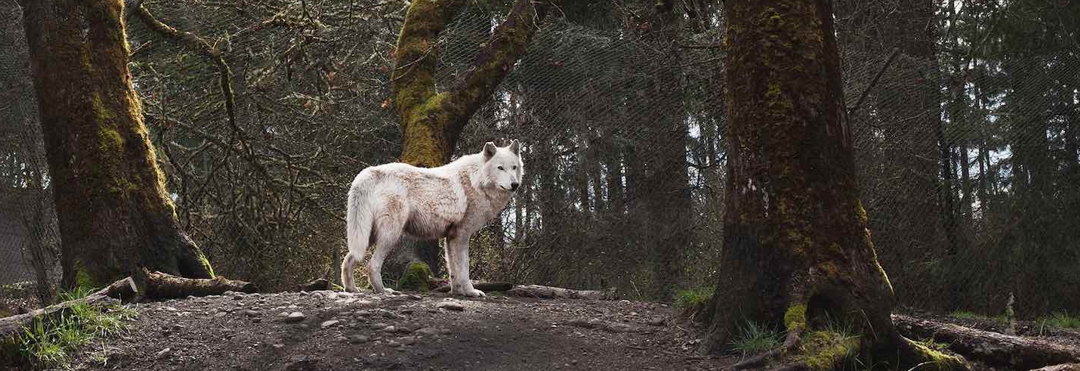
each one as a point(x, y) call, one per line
point(966, 116)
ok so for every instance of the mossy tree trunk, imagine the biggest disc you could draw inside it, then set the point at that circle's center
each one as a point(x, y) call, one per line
point(114, 212)
point(796, 247)
point(431, 121)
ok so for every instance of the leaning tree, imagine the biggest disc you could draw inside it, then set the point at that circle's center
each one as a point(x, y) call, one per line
point(114, 212)
point(432, 121)
point(797, 253)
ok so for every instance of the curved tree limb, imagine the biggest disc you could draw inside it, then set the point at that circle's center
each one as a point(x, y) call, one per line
point(433, 121)
point(413, 80)
point(215, 56)
point(496, 59)
point(204, 48)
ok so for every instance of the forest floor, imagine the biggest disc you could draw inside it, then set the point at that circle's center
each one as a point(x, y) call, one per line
point(398, 332)
point(324, 330)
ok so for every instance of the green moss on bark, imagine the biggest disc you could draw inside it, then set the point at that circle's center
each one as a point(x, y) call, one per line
point(827, 350)
point(795, 318)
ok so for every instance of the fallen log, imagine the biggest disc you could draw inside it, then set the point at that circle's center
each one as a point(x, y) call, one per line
point(157, 285)
point(144, 285)
point(548, 292)
point(124, 289)
point(1061, 367)
point(989, 347)
point(316, 285)
point(482, 286)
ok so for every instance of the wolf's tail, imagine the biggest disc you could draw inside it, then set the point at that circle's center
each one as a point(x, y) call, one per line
point(358, 223)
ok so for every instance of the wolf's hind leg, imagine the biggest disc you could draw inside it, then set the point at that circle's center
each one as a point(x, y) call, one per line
point(348, 273)
point(388, 239)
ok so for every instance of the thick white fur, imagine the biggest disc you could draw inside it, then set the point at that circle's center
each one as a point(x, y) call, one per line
point(452, 201)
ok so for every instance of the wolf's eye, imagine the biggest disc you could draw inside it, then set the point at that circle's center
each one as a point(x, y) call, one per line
point(515, 167)
point(501, 168)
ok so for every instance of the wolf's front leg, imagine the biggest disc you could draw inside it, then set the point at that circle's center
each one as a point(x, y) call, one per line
point(459, 279)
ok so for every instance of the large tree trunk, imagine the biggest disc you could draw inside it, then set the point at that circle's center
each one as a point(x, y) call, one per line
point(114, 212)
point(796, 247)
point(432, 121)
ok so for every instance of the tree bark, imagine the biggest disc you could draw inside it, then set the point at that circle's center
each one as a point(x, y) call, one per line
point(796, 245)
point(114, 212)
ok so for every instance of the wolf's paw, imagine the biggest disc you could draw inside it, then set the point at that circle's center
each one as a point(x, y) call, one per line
point(351, 289)
point(390, 291)
point(473, 293)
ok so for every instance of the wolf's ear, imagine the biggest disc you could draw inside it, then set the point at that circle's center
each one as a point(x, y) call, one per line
point(489, 150)
point(515, 147)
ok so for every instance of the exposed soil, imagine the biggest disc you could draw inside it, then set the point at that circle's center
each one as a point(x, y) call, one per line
point(399, 332)
point(341, 331)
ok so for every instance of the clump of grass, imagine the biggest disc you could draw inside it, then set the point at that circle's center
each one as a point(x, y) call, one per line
point(1062, 320)
point(962, 314)
point(47, 343)
point(843, 328)
point(693, 298)
point(966, 315)
point(755, 338)
point(932, 344)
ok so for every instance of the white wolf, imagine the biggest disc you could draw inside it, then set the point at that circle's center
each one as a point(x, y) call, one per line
point(452, 201)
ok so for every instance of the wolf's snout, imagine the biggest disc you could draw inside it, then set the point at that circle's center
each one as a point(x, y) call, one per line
point(513, 186)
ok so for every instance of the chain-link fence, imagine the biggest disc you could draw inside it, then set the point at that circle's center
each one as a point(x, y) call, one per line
point(29, 239)
point(967, 122)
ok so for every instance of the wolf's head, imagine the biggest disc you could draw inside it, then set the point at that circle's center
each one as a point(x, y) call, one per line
point(503, 167)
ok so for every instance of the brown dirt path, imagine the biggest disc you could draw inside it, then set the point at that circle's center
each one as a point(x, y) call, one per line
point(399, 332)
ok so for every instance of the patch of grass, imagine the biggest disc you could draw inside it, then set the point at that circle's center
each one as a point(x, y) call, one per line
point(962, 314)
point(966, 315)
point(755, 339)
point(1062, 320)
point(693, 298)
point(932, 344)
point(47, 343)
point(835, 345)
point(843, 328)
